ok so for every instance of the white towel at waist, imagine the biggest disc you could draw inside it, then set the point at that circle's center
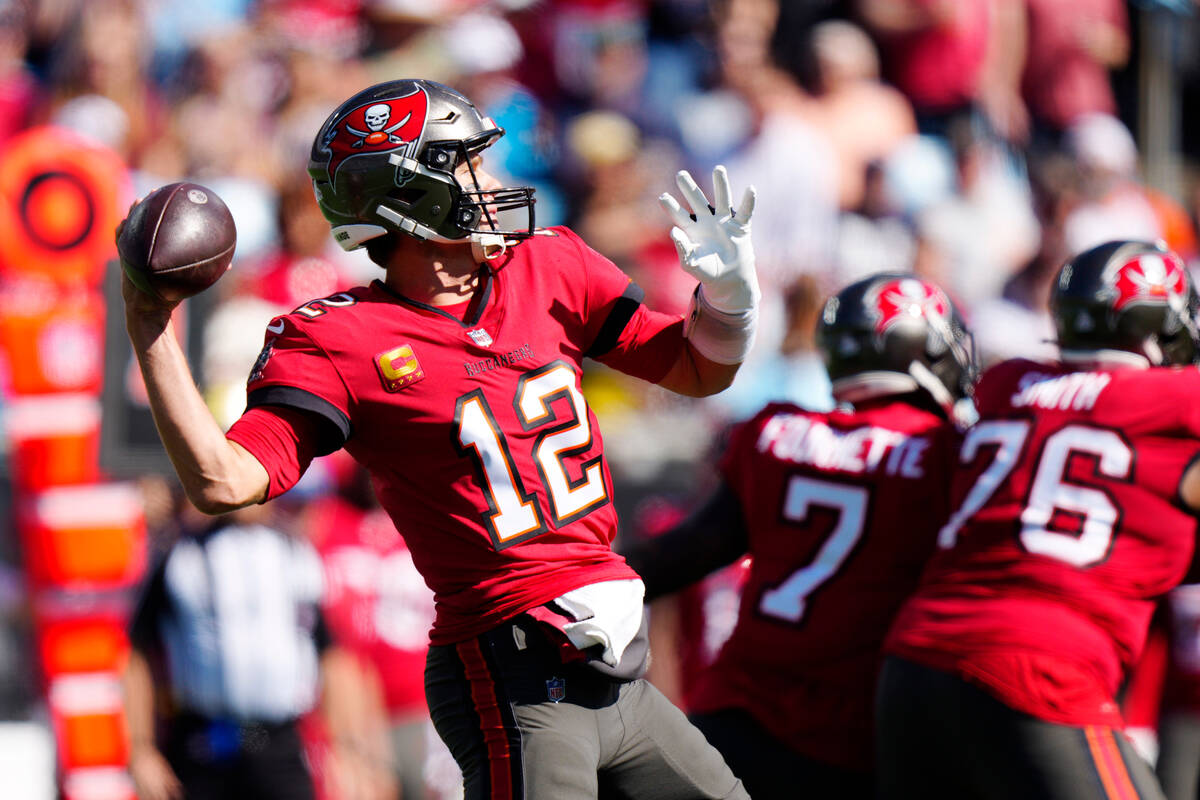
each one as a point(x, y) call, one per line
point(608, 613)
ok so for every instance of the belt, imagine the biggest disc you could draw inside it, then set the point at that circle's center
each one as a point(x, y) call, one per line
point(528, 660)
point(212, 739)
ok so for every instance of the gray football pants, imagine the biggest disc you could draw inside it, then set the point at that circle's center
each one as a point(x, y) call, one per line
point(524, 726)
point(1179, 755)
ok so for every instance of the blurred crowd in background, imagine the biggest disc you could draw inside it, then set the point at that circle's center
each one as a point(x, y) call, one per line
point(978, 143)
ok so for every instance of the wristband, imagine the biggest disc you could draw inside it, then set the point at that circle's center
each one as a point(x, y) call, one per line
point(720, 337)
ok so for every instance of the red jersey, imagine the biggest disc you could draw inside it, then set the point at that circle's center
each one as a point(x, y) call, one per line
point(375, 602)
point(708, 614)
point(476, 434)
point(841, 511)
point(1068, 528)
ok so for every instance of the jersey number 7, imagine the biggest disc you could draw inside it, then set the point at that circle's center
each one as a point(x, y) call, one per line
point(787, 600)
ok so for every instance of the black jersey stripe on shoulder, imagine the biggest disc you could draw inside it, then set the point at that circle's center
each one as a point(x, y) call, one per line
point(335, 431)
point(622, 311)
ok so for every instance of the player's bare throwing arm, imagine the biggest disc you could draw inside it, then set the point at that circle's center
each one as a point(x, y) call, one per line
point(456, 381)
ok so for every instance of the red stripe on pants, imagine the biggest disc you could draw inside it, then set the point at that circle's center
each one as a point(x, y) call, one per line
point(495, 737)
point(1109, 763)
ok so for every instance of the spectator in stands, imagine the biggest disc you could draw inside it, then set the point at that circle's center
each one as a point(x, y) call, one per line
point(1017, 322)
point(1112, 201)
point(984, 229)
point(953, 59)
point(99, 53)
point(1072, 46)
point(789, 159)
point(863, 118)
point(19, 88)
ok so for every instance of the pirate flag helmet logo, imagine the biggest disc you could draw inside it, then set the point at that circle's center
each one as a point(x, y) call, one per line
point(1150, 278)
point(906, 298)
point(377, 127)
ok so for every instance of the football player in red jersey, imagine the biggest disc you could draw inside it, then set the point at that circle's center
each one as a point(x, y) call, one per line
point(1075, 503)
point(455, 380)
point(839, 511)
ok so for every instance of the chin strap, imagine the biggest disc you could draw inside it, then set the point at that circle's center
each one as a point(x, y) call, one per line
point(932, 384)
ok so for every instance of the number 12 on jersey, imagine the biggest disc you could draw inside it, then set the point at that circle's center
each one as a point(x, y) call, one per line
point(514, 514)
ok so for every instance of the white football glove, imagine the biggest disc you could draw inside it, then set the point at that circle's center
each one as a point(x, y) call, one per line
point(714, 242)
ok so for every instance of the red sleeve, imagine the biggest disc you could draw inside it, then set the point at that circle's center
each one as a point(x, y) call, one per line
point(282, 439)
point(622, 333)
point(294, 371)
point(608, 292)
point(649, 345)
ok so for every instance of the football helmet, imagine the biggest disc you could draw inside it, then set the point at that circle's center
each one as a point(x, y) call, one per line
point(384, 162)
point(894, 333)
point(1127, 297)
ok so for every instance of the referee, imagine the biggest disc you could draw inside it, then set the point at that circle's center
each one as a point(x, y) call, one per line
point(230, 618)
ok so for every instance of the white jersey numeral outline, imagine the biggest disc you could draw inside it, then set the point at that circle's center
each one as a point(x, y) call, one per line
point(788, 600)
point(1008, 435)
point(1050, 491)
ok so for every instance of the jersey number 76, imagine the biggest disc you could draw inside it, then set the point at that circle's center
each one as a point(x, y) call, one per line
point(1049, 492)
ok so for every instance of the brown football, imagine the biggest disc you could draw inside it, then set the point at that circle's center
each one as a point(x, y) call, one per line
point(177, 241)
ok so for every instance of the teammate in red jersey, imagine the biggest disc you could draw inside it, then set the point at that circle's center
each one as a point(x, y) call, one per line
point(839, 512)
point(455, 380)
point(1075, 499)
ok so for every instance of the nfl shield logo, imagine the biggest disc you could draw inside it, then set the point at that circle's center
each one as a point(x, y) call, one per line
point(556, 689)
point(480, 337)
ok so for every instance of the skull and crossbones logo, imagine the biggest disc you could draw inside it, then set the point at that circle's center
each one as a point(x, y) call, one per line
point(377, 118)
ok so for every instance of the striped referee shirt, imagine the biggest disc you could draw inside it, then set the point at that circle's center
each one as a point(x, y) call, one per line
point(235, 612)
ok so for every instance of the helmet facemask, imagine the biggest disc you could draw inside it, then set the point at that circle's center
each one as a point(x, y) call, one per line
point(1183, 345)
point(429, 189)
